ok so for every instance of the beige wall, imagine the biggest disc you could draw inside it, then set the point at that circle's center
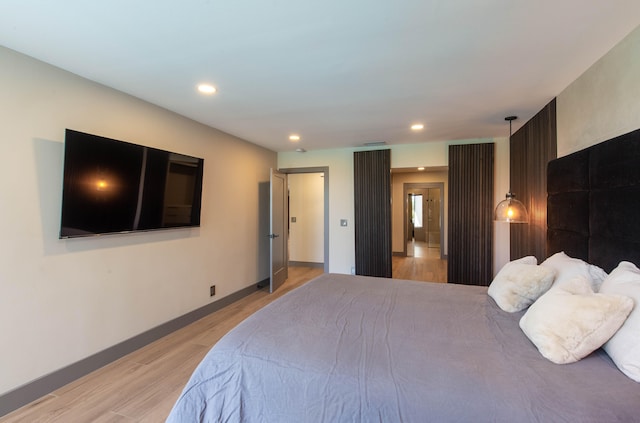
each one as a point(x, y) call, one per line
point(604, 102)
point(64, 300)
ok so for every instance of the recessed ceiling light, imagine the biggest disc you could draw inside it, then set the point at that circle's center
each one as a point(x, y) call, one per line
point(206, 89)
point(417, 127)
point(421, 168)
point(294, 137)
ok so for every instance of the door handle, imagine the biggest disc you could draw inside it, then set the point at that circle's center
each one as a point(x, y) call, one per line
point(273, 236)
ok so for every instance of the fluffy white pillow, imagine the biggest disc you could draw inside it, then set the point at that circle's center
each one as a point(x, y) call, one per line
point(569, 322)
point(519, 283)
point(624, 346)
point(525, 260)
point(568, 268)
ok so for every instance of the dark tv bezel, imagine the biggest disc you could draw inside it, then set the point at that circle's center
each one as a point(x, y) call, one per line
point(71, 233)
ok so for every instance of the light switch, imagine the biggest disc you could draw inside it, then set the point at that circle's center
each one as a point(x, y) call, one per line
point(293, 219)
point(343, 222)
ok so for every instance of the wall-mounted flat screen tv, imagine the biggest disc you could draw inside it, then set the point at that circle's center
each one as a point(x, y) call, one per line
point(112, 186)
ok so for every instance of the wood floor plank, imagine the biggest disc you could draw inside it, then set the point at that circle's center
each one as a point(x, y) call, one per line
point(115, 418)
point(425, 265)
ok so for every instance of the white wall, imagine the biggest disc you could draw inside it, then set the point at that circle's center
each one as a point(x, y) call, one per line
point(341, 206)
point(306, 204)
point(604, 102)
point(64, 300)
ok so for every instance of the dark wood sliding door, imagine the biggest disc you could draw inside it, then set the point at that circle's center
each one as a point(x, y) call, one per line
point(471, 206)
point(372, 195)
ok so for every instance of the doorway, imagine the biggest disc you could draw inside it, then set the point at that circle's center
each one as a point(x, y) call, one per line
point(308, 203)
point(423, 219)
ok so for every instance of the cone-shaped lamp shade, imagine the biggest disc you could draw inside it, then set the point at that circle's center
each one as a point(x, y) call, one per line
point(511, 210)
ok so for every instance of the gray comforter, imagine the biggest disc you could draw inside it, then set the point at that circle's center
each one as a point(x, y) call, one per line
point(359, 349)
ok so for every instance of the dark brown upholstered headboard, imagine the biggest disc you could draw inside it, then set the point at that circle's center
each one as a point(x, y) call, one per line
point(593, 203)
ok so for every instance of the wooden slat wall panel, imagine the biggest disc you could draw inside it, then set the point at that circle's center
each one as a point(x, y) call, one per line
point(471, 206)
point(372, 195)
point(531, 148)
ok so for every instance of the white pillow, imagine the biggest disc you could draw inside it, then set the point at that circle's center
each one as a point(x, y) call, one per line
point(571, 321)
point(568, 267)
point(526, 260)
point(624, 346)
point(519, 283)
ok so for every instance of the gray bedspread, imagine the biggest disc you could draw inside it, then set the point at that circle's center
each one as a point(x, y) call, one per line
point(359, 349)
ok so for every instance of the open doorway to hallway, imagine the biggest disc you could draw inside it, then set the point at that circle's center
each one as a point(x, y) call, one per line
point(423, 219)
point(419, 225)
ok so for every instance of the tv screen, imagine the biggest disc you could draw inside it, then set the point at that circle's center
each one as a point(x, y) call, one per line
point(112, 186)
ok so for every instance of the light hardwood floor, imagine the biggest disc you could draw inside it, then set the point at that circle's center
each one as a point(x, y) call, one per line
point(425, 265)
point(142, 386)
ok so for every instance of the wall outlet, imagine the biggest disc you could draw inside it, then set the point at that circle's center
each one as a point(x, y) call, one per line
point(212, 290)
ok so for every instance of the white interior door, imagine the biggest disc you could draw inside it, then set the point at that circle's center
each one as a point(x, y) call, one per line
point(279, 216)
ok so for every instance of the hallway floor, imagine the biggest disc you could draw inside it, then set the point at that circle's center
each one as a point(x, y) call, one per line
point(425, 265)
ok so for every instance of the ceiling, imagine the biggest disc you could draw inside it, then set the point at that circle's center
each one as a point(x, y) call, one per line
point(340, 73)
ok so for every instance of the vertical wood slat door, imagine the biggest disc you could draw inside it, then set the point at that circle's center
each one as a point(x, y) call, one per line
point(471, 208)
point(372, 196)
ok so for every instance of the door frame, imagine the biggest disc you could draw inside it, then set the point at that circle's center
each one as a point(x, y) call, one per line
point(325, 171)
point(406, 188)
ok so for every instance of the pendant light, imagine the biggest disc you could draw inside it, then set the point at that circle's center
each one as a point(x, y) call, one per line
point(511, 210)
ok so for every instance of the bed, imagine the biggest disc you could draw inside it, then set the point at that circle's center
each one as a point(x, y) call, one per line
point(347, 348)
